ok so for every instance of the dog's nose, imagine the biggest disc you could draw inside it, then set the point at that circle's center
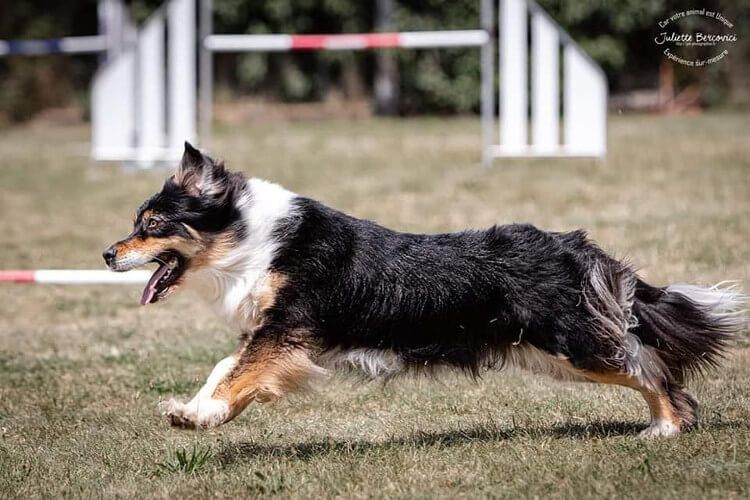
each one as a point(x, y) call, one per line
point(109, 255)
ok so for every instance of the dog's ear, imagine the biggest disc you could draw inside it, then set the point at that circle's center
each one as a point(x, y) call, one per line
point(199, 174)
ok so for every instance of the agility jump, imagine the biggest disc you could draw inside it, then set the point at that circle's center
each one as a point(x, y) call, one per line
point(145, 95)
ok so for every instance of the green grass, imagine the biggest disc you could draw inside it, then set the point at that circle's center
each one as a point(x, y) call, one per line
point(83, 368)
point(184, 462)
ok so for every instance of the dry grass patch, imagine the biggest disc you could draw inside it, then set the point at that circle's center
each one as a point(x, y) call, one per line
point(82, 368)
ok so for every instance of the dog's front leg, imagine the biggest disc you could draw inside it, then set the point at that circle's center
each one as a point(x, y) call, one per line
point(203, 411)
point(265, 369)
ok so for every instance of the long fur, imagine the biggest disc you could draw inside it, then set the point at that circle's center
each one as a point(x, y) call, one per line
point(691, 327)
point(304, 281)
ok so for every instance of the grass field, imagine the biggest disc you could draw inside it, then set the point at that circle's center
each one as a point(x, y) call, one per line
point(82, 368)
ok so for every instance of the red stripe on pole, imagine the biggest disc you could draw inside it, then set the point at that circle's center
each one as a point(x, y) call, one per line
point(17, 276)
point(368, 40)
point(308, 42)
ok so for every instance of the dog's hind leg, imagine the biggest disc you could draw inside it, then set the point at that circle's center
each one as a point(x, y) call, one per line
point(619, 356)
point(672, 408)
point(664, 421)
point(261, 370)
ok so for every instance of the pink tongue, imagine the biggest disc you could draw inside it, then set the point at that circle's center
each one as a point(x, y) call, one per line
point(150, 290)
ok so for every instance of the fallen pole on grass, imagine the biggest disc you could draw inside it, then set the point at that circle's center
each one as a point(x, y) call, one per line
point(74, 277)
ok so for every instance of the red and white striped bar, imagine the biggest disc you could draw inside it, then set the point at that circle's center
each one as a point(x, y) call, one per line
point(75, 277)
point(351, 41)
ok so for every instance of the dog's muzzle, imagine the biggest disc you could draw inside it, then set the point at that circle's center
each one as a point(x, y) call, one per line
point(109, 255)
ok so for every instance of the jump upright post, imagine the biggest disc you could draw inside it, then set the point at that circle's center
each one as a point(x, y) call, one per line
point(143, 104)
point(144, 100)
point(584, 86)
point(144, 93)
point(584, 89)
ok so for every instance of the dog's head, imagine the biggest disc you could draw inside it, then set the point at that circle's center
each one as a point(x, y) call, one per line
point(189, 224)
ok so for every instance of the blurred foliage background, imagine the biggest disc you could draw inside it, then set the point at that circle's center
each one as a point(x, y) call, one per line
point(618, 34)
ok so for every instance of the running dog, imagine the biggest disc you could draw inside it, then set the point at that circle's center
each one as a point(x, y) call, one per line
point(312, 289)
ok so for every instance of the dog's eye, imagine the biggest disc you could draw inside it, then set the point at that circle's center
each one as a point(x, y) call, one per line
point(152, 223)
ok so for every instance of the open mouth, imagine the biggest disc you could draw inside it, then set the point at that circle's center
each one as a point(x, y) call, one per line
point(165, 278)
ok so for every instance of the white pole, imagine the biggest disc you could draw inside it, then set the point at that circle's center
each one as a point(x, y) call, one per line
point(75, 277)
point(83, 44)
point(206, 73)
point(113, 109)
point(248, 43)
point(182, 77)
point(513, 67)
point(151, 98)
point(87, 277)
point(545, 84)
point(455, 38)
point(488, 82)
point(585, 98)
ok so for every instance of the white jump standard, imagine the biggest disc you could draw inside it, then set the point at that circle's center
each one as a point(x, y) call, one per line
point(144, 100)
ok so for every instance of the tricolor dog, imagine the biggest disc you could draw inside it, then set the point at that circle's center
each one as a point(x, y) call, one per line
point(312, 289)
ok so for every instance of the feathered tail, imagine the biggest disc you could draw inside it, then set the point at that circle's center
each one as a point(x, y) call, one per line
point(690, 326)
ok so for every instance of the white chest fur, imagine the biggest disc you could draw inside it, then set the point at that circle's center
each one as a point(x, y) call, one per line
point(234, 284)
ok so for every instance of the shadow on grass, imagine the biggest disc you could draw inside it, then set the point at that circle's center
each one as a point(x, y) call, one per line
point(236, 452)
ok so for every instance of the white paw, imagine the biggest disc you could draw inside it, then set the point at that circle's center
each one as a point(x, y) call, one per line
point(660, 428)
point(178, 414)
point(197, 414)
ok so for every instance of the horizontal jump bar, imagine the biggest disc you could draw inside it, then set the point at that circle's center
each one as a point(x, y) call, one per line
point(66, 45)
point(350, 41)
point(74, 277)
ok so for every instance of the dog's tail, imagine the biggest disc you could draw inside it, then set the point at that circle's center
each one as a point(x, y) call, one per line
point(690, 326)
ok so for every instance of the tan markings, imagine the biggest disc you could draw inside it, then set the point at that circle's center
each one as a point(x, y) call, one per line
point(267, 297)
point(253, 306)
point(203, 251)
point(658, 402)
point(661, 408)
point(267, 374)
point(612, 378)
point(147, 214)
point(154, 246)
point(212, 249)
